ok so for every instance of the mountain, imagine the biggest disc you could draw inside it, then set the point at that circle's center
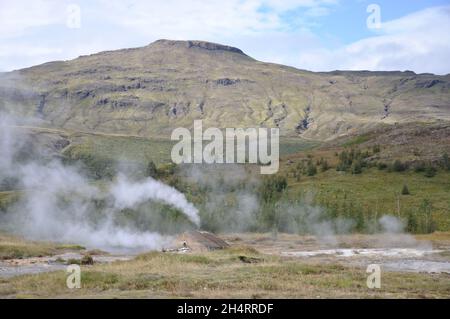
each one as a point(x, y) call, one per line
point(148, 91)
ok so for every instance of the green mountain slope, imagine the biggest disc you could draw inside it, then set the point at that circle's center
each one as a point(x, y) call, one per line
point(149, 91)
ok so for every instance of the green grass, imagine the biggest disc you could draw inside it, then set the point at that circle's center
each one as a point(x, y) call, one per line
point(380, 191)
point(134, 149)
point(295, 145)
point(141, 150)
point(357, 140)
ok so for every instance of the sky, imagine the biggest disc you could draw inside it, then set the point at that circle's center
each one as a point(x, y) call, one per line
point(317, 35)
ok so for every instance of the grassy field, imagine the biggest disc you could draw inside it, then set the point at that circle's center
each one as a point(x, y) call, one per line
point(223, 274)
point(140, 150)
point(12, 247)
point(134, 149)
point(379, 192)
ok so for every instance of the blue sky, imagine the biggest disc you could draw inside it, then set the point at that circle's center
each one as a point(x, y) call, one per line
point(318, 35)
point(348, 20)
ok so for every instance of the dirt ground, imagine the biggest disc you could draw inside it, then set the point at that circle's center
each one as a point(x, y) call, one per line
point(396, 252)
point(254, 266)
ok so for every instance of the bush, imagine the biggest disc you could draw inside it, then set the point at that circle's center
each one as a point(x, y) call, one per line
point(324, 165)
point(87, 260)
point(381, 166)
point(311, 169)
point(345, 161)
point(419, 167)
point(272, 187)
point(356, 167)
point(167, 169)
point(430, 171)
point(398, 166)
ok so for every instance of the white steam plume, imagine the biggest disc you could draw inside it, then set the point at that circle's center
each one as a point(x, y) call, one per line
point(58, 202)
point(128, 195)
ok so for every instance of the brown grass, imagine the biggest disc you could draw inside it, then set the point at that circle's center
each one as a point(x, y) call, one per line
point(221, 274)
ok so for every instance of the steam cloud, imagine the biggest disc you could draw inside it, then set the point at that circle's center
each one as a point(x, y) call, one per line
point(58, 200)
point(128, 195)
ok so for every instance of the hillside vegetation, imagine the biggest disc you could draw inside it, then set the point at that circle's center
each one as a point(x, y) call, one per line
point(356, 145)
point(149, 91)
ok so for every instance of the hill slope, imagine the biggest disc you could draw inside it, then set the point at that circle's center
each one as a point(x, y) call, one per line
point(149, 91)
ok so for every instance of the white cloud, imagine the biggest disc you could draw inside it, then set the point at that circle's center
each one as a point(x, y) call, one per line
point(109, 24)
point(418, 42)
point(19, 16)
point(205, 19)
point(26, 50)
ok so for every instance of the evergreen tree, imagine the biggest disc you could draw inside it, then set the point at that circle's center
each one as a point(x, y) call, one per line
point(311, 169)
point(151, 170)
point(405, 190)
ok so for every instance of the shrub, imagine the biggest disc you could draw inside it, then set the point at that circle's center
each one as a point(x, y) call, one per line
point(272, 187)
point(324, 165)
point(419, 167)
point(167, 169)
point(311, 169)
point(381, 166)
point(356, 167)
point(412, 225)
point(87, 260)
point(345, 161)
point(430, 171)
point(405, 190)
point(398, 166)
point(445, 161)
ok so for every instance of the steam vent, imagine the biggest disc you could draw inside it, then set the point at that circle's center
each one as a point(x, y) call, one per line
point(198, 241)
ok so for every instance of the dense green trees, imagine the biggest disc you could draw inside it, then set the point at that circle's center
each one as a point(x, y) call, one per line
point(353, 161)
point(272, 187)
